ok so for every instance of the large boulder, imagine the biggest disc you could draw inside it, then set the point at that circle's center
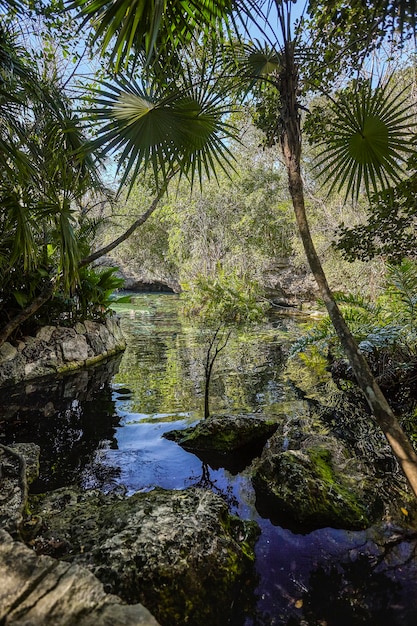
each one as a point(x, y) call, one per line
point(41, 591)
point(179, 553)
point(315, 484)
point(229, 441)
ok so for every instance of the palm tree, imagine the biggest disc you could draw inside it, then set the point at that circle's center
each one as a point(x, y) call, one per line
point(171, 125)
point(44, 170)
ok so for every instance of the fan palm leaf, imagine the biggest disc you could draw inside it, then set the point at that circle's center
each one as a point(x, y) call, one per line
point(252, 61)
point(181, 129)
point(369, 140)
point(125, 26)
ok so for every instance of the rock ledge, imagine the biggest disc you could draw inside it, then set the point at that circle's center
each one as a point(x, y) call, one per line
point(57, 349)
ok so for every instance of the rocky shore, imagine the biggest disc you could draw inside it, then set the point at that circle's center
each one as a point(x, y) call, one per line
point(58, 349)
point(180, 553)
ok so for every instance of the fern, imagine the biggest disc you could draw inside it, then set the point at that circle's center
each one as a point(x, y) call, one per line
point(387, 324)
point(402, 289)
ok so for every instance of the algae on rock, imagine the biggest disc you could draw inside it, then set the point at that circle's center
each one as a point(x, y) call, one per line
point(180, 553)
point(309, 486)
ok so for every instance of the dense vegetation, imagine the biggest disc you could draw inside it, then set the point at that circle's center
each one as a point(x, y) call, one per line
point(164, 102)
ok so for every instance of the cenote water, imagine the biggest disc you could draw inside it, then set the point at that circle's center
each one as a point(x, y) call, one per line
point(102, 428)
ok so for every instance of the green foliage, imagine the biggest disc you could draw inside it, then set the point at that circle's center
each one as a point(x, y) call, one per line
point(94, 295)
point(367, 138)
point(389, 227)
point(225, 299)
point(358, 28)
point(46, 176)
point(166, 127)
point(387, 326)
point(402, 294)
point(267, 104)
point(90, 299)
point(222, 304)
point(241, 222)
point(151, 26)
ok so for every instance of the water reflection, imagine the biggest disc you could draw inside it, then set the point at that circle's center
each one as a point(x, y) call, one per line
point(72, 418)
point(103, 428)
point(163, 363)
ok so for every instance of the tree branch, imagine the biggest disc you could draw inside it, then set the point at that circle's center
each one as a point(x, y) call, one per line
point(141, 220)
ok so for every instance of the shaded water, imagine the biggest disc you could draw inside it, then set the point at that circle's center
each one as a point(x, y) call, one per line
point(102, 428)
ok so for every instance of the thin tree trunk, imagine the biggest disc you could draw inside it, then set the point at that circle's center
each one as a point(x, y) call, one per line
point(291, 149)
point(47, 293)
point(208, 367)
point(28, 311)
point(141, 220)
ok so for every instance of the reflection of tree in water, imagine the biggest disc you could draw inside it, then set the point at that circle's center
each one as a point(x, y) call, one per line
point(70, 418)
point(165, 369)
point(244, 603)
point(206, 482)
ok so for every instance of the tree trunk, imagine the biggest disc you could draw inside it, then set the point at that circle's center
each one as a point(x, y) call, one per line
point(46, 294)
point(28, 311)
point(291, 149)
point(218, 344)
point(141, 220)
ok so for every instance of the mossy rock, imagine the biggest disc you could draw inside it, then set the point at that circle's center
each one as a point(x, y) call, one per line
point(306, 486)
point(180, 553)
point(224, 434)
point(229, 441)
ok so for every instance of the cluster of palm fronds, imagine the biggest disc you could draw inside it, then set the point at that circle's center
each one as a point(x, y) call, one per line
point(45, 175)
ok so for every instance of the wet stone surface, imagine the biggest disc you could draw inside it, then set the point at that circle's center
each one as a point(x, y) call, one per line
point(180, 553)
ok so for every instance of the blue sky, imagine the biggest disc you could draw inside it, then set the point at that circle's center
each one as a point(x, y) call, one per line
point(273, 29)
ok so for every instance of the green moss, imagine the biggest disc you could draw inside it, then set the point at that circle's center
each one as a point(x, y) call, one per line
point(224, 434)
point(322, 461)
point(338, 494)
point(306, 485)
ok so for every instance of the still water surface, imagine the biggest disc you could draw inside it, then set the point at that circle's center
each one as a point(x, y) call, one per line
point(102, 429)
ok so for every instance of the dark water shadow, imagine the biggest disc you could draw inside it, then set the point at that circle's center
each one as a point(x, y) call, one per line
point(71, 418)
point(233, 462)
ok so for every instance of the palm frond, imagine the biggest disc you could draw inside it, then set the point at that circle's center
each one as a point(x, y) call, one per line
point(182, 129)
point(126, 26)
point(369, 140)
point(24, 227)
point(251, 62)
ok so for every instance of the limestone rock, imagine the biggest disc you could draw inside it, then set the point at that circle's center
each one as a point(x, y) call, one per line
point(229, 441)
point(13, 489)
point(179, 553)
point(75, 348)
point(45, 333)
point(40, 591)
point(57, 349)
point(316, 485)
point(7, 352)
point(30, 453)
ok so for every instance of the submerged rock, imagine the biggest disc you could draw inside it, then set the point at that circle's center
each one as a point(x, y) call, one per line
point(229, 441)
point(179, 553)
point(318, 484)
